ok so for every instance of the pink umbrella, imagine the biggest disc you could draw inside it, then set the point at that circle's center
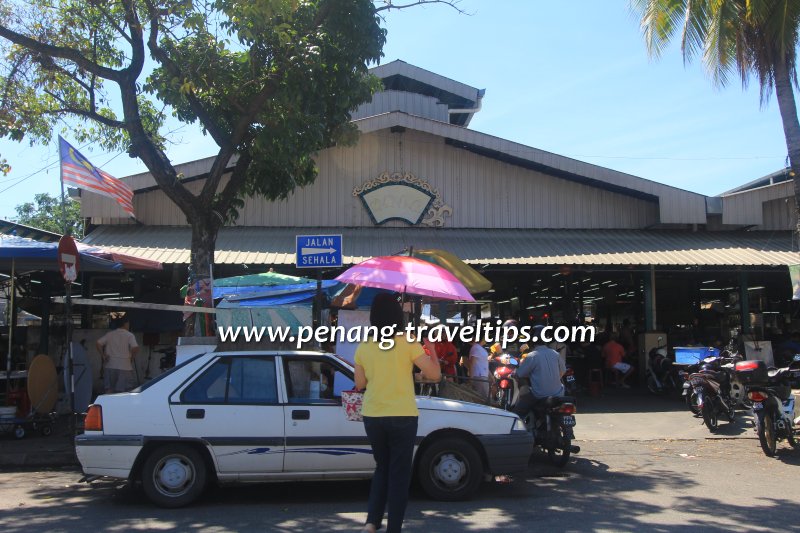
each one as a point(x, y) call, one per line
point(407, 275)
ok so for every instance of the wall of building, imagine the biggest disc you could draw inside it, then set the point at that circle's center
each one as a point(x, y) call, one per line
point(483, 192)
point(411, 103)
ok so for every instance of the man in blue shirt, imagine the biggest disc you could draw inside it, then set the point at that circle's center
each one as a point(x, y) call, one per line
point(544, 368)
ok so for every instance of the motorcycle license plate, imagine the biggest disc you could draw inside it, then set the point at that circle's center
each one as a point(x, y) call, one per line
point(570, 379)
point(569, 421)
point(757, 405)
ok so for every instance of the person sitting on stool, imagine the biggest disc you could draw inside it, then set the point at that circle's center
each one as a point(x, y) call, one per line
point(613, 353)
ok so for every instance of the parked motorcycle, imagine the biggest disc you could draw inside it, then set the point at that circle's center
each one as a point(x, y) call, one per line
point(736, 390)
point(773, 402)
point(507, 388)
point(711, 386)
point(688, 393)
point(729, 356)
point(660, 376)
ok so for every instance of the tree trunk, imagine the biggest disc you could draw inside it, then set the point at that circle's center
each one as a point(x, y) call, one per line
point(791, 130)
point(200, 284)
point(204, 236)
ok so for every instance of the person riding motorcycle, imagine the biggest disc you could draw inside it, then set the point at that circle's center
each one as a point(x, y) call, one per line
point(544, 368)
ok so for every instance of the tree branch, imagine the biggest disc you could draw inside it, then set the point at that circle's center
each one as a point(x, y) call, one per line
point(162, 57)
point(69, 54)
point(110, 122)
point(137, 40)
point(238, 177)
point(142, 145)
point(47, 63)
point(113, 23)
point(389, 4)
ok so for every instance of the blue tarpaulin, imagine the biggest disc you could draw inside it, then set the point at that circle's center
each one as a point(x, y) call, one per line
point(268, 289)
point(28, 254)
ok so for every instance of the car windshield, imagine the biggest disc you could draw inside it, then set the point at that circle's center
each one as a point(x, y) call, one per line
point(147, 385)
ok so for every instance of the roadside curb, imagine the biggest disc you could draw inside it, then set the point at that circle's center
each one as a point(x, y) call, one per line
point(38, 458)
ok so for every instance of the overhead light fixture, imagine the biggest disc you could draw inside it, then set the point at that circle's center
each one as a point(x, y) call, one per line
point(710, 281)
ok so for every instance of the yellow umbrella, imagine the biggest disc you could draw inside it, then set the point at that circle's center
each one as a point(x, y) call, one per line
point(468, 276)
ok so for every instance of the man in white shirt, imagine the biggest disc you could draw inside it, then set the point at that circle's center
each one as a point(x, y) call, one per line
point(118, 348)
point(479, 369)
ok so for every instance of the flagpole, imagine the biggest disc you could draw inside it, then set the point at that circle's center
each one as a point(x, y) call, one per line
point(61, 179)
point(67, 299)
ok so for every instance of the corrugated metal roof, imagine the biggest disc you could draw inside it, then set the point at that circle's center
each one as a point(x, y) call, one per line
point(276, 246)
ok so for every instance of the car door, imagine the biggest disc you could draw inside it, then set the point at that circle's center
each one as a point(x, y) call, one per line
point(318, 435)
point(233, 405)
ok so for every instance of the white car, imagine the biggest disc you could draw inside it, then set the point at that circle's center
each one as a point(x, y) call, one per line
point(277, 416)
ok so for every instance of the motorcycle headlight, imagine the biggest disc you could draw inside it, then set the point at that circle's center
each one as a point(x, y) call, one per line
point(519, 425)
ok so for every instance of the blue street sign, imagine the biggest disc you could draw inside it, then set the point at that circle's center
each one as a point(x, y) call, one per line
point(319, 251)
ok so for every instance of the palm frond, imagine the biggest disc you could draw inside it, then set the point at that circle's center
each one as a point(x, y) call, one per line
point(723, 39)
point(658, 20)
point(695, 28)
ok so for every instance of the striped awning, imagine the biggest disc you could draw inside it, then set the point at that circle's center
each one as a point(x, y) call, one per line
point(276, 246)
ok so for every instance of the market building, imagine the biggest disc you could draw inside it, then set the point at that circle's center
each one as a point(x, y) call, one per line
point(559, 238)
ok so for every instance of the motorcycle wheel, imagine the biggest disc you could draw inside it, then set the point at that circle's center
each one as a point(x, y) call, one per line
point(691, 401)
point(652, 386)
point(504, 398)
point(710, 417)
point(766, 434)
point(792, 440)
point(560, 456)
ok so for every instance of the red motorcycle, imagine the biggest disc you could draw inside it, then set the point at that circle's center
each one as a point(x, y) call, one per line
point(507, 387)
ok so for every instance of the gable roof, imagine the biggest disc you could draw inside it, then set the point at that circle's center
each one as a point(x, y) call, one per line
point(676, 206)
point(462, 100)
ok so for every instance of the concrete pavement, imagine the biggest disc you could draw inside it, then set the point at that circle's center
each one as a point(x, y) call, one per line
point(619, 486)
point(637, 415)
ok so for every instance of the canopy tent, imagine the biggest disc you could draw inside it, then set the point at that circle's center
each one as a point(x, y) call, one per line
point(26, 254)
point(128, 262)
point(267, 289)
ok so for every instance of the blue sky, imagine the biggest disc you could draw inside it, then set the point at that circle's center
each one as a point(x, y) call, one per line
point(572, 78)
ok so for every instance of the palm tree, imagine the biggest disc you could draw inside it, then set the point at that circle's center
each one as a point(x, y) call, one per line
point(736, 37)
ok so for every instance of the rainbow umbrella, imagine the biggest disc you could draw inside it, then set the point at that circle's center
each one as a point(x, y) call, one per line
point(406, 275)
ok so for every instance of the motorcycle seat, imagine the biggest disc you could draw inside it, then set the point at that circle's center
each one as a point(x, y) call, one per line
point(719, 377)
point(555, 401)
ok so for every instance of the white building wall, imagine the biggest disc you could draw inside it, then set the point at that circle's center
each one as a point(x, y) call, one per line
point(483, 192)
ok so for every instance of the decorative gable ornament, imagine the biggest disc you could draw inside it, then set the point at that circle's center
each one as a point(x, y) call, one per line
point(403, 197)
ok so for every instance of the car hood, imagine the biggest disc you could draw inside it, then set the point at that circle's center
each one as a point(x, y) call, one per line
point(444, 404)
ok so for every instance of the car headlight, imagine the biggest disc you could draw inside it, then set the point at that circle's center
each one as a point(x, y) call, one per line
point(519, 425)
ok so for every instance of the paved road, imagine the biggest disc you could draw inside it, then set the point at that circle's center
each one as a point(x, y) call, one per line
point(664, 486)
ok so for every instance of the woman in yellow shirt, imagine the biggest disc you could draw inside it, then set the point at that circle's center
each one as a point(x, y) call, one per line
point(390, 411)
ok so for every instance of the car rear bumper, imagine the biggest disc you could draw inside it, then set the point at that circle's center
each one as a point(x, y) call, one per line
point(108, 455)
point(509, 453)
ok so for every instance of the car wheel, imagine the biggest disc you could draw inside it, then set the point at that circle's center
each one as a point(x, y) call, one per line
point(450, 469)
point(19, 432)
point(174, 475)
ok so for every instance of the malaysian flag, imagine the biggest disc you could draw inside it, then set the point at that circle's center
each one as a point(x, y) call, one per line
point(79, 173)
